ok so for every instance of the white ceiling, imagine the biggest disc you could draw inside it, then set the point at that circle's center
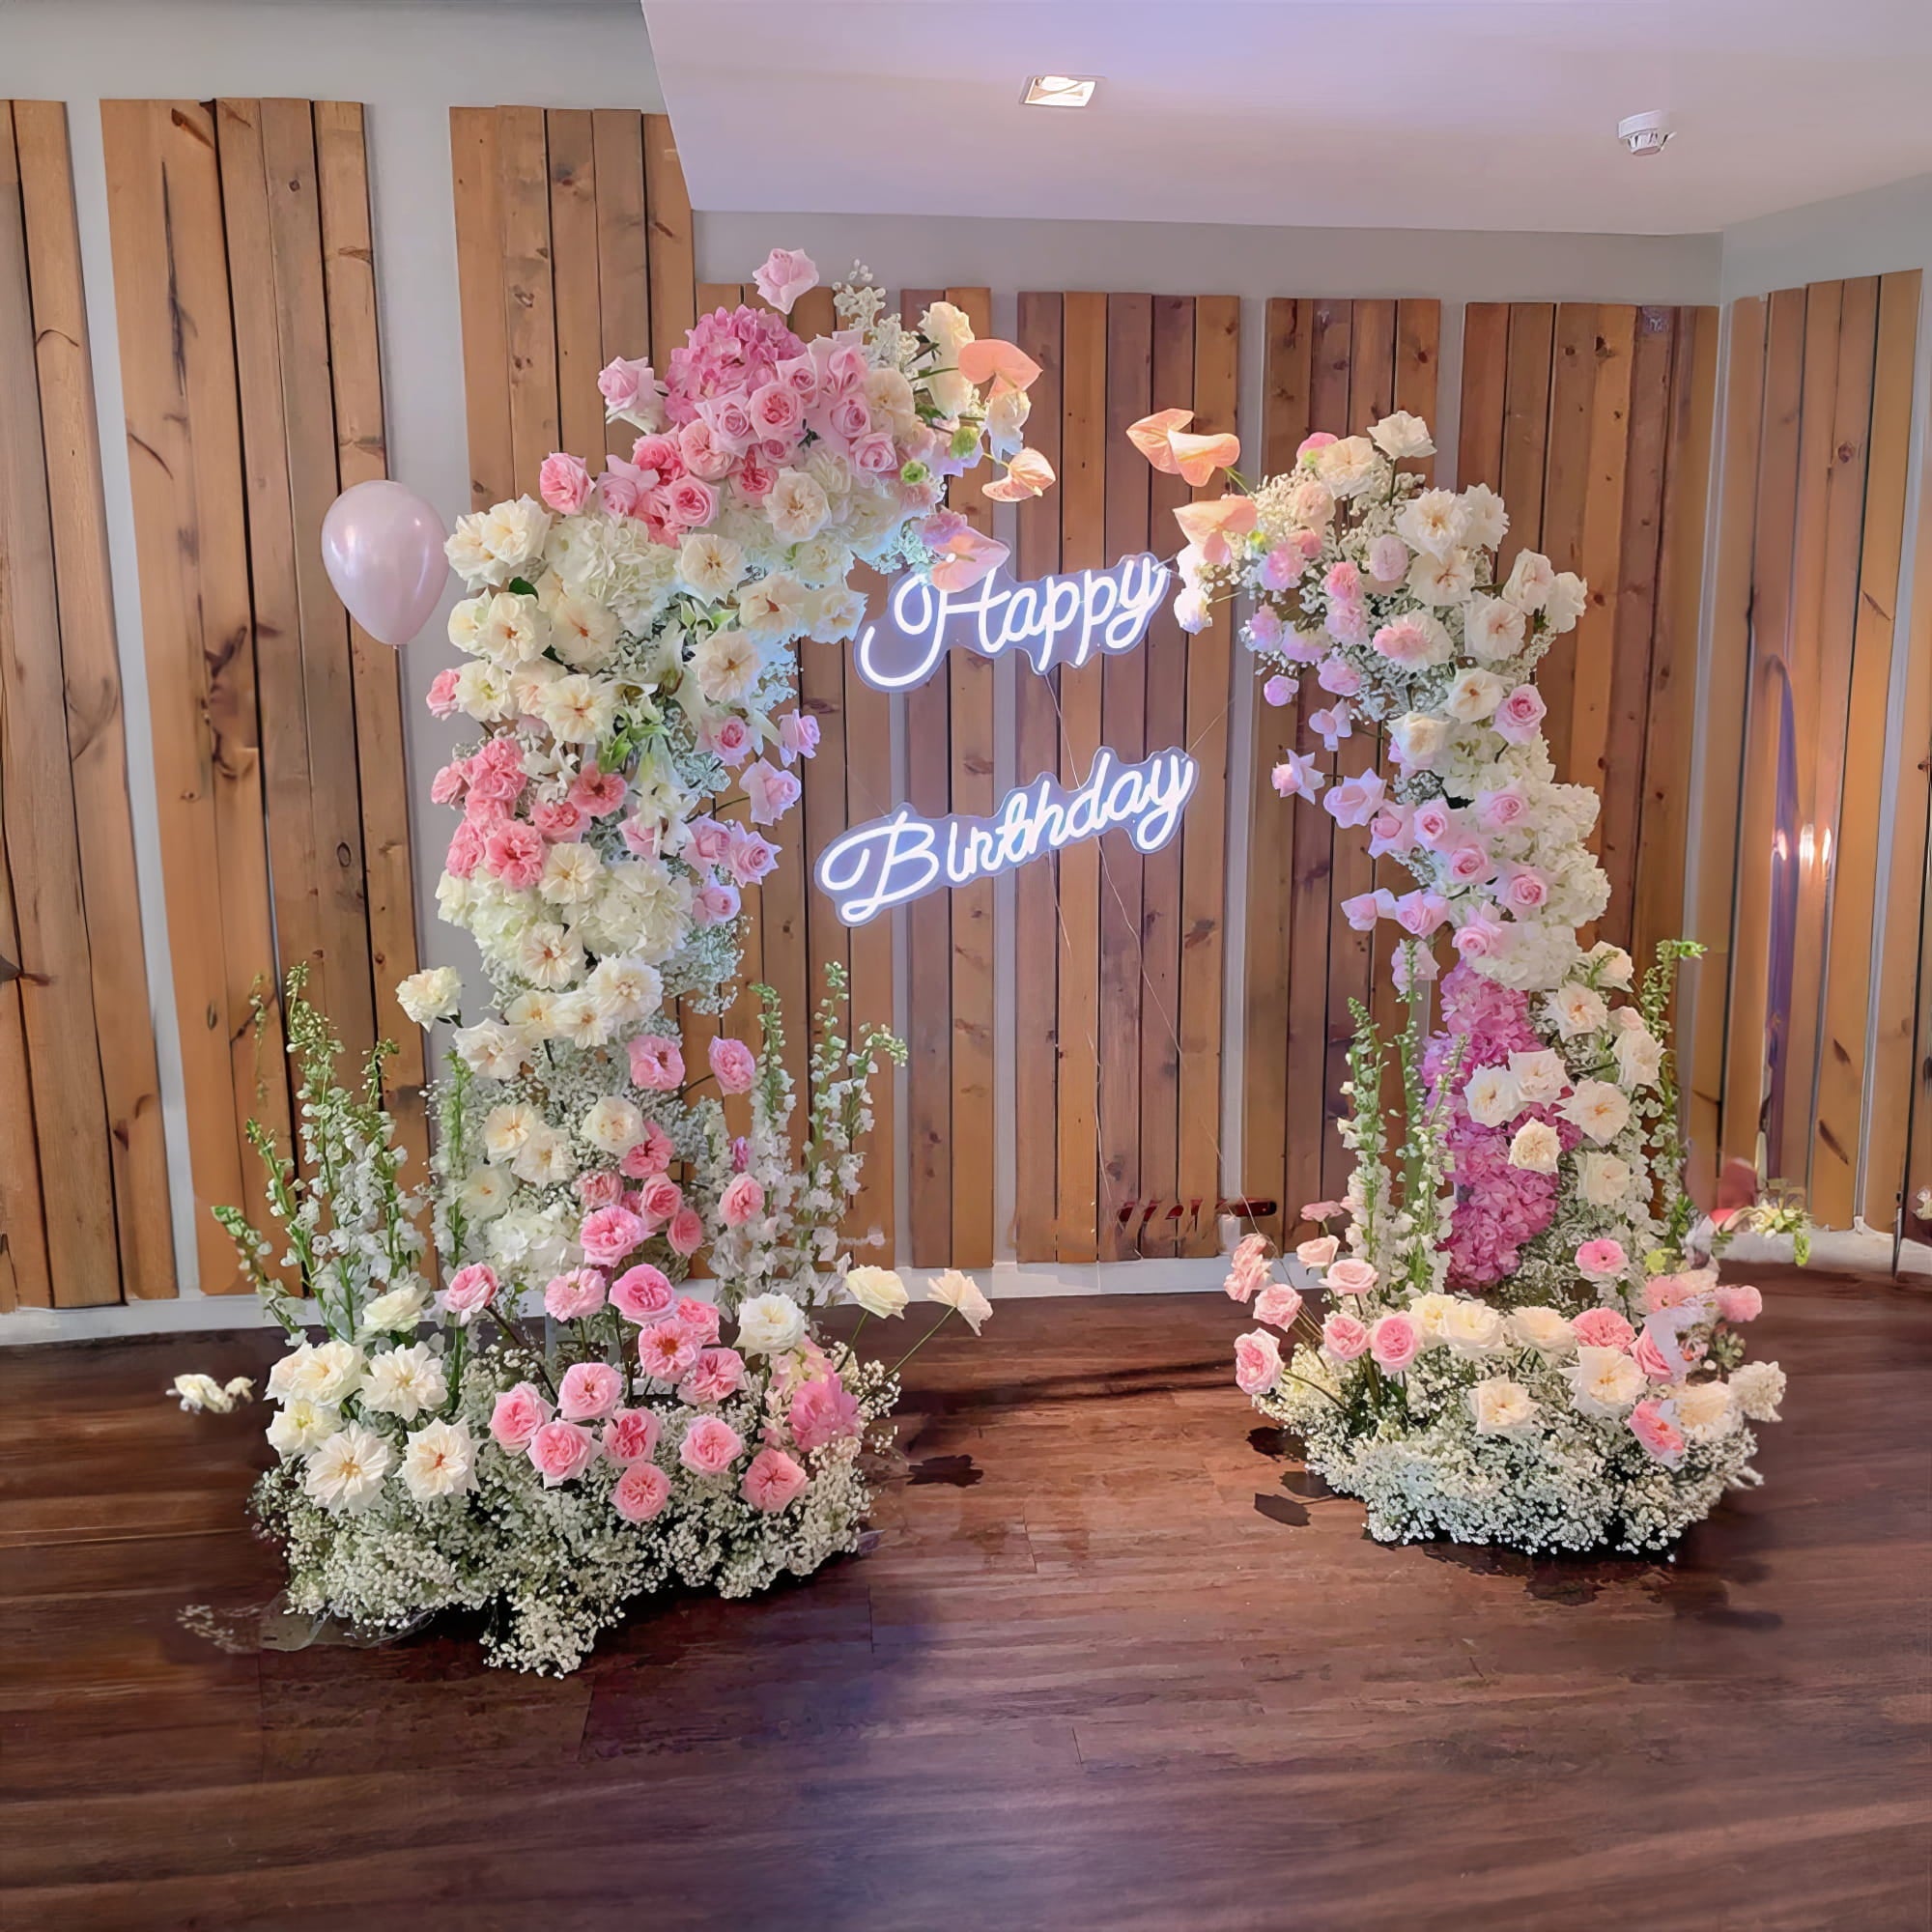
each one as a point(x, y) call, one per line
point(1497, 114)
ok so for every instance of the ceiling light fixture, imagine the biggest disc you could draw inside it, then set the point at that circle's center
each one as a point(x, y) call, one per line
point(1059, 90)
point(1645, 134)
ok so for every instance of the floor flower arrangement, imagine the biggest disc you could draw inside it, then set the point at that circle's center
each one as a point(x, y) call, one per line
point(627, 659)
point(1525, 1338)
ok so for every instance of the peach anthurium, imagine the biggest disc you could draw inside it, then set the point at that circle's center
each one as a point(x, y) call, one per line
point(1163, 438)
point(1208, 525)
point(966, 556)
point(986, 357)
point(1028, 474)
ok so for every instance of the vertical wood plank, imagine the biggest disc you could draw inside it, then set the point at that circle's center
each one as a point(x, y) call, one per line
point(479, 281)
point(1035, 886)
point(528, 296)
point(1082, 547)
point(1479, 452)
point(1572, 389)
point(1204, 835)
point(91, 677)
point(570, 143)
point(623, 261)
point(673, 273)
point(1532, 348)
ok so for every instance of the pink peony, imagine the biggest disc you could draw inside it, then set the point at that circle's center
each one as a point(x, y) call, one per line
point(643, 1293)
point(589, 1392)
point(1344, 1338)
point(716, 1375)
point(823, 1412)
point(772, 1481)
point(641, 1492)
point(1393, 1342)
point(1602, 1328)
point(570, 1297)
point(1256, 1362)
point(630, 1436)
point(1657, 1434)
point(1279, 1306)
point(734, 1065)
point(470, 1290)
point(657, 1063)
point(1602, 1260)
point(519, 1412)
point(561, 1451)
point(741, 1201)
point(1742, 1303)
point(710, 1446)
point(609, 1235)
point(564, 481)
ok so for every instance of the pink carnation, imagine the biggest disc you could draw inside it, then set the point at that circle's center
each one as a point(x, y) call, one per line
point(1602, 1328)
point(710, 1446)
point(772, 1481)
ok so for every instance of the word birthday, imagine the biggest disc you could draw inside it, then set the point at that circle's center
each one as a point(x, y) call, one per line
point(889, 861)
point(1050, 621)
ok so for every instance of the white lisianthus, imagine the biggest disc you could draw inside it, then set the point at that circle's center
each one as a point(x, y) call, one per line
point(1472, 1328)
point(770, 1325)
point(579, 708)
point(613, 1125)
point(961, 1293)
point(1535, 1148)
point(510, 630)
point(710, 566)
point(579, 1019)
point(435, 993)
point(771, 608)
point(546, 955)
point(1599, 1108)
point(1493, 628)
point(877, 1290)
point(1502, 1407)
point(1546, 1330)
point(300, 1425)
point(545, 1159)
point(512, 532)
point(439, 1460)
point(1541, 1077)
point(1758, 1388)
point(1432, 521)
point(1474, 696)
point(1492, 1096)
point(1578, 1009)
point(1401, 435)
point(346, 1472)
point(582, 633)
point(1603, 1382)
point(484, 1193)
point(570, 874)
point(397, 1312)
point(483, 691)
point(322, 1372)
point(1602, 1178)
point(404, 1383)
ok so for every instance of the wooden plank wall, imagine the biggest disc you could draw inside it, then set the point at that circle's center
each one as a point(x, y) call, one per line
point(84, 1215)
point(246, 300)
point(1807, 571)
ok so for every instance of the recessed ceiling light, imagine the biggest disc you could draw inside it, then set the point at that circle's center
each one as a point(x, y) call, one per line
point(1059, 90)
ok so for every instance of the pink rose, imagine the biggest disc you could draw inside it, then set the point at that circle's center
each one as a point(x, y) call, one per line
point(1497, 810)
point(778, 412)
point(622, 383)
point(1651, 1359)
point(1357, 800)
point(609, 1235)
point(570, 1297)
point(692, 502)
point(750, 856)
point(589, 1392)
point(1344, 1338)
point(442, 700)
point(1519, 715)
point(700, 1320)
point(716, 1375)
point(1318, 1252)
point(1602, 1328)
point(713, 906)
point(601, 1189)
point(1480, 938)
point(710, 1446)
point(1278, 1306)
point(876, 454)
point(1742, 1303)
point(741, 1201)
point(1391, 830)
point(707, 841)
point(561, 1451)
point(661, 455)
point(650, 1156)
point(1351, 1275)
point(643, 1293)
point(1527, 890)
point(1245, 1277)
point(798, 736)
point(470, 1290)
point(666, 1354)
point(1433, 823)
point(770, 792)
point(662, 1197)
point(519, 1412)
point(1256, 1362)
point(823, 1412)
point(731, 739)
point(734, 1065)
point(1659, 1435)
point(1419, 913)
point(564, 481)
point(1393, 1342)
point(641, 1492)
point(1468, 863)
point(686, 1232)
point(630, 1436)
point(657, 1063)
point(1602, 1260)
point(772, 1481)
point(784, 275)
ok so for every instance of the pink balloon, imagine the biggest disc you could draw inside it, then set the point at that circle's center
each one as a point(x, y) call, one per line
point(382, 546)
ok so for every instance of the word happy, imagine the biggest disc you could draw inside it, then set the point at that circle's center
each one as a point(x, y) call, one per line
point(1050, 621)
point(890, 860)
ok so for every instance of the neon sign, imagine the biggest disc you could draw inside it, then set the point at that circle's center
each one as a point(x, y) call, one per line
point(887, 862)
point(1050, 621)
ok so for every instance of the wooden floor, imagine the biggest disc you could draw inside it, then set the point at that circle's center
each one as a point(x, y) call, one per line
point(1112, 1665)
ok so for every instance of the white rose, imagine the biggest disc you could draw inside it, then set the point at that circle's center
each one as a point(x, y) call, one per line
point(490, 1049)
point(1485, 520)
point(1758, 1388)
point(506, 1129)
point(1492, 1097)
point(583, 633)
point(625, 989)
point(545, 1159)
point(510, 630)
point(770, 1325)
point(435, 993)
point(948, 328)
point(1578, 1011)
point(1535, 1149)
point(1599, 1108)
point(1429, 1312)
point(1541, 1077)
point(1602, 1178)
point(1569, 598)
point(324, 1371)
point(1401, 435)
point(1474, 696)
point(1639, 1056)
point(1491, 628)
point(796, 506)
point(570, 874)
point(1442, 580)
point(1419, 738)
point(1705, 1411)
point(465, 551)
point(404, 1383)
point(772, 607)
point(439, 1460)
point(1472, 1328)
point(396, 1312)
point(1349, 466)
point(1432, 521)
point(303, 1424)
point(877, 1290)
point(1614, 964)
point(580, 709)
point(346, 1472)
point(710, 566)
point(513, 534)
point(1502, 1407)
point(833, 614)
point(546, 955)
point(1528, 583)
point(483, 693)
point(1546, 1330)
point(1603, 1382)
point(485, 1194)
point(613, 1125)
point(961, 1293)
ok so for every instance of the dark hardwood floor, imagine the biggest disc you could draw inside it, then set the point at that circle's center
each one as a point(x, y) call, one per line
point(1112, 1665)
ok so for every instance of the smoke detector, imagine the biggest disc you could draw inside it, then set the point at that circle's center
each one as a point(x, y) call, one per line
point(1645, 134)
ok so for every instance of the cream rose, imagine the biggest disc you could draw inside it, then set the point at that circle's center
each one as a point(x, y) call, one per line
point(1535, 1150)
point(877, 1290)
point(434, 994)
point(1502, 1407)
point(770, 1325)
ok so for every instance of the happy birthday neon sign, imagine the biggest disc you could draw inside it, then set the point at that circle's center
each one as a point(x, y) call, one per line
point(1052, 623)
point(1049, 621)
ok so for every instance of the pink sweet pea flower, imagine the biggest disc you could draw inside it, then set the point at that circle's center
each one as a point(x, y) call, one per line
point(442, 698)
